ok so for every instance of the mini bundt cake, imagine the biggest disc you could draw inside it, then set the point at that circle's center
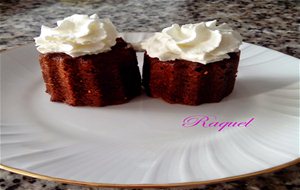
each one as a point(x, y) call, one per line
point(84, 63)
point(191, 64)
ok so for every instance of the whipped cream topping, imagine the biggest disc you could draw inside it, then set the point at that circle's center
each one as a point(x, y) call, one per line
point(203, 42)
point(78, 35)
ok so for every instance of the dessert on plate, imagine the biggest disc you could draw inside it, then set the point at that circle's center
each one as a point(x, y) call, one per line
point(84, 62)
point(191, 64)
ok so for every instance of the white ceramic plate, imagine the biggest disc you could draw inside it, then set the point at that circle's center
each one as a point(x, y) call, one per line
point(143, 141)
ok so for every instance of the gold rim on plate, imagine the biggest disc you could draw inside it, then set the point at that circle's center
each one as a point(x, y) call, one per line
point(183, 184)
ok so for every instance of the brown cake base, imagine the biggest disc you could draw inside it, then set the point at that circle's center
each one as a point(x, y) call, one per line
point(190, 83)
point(92, 80)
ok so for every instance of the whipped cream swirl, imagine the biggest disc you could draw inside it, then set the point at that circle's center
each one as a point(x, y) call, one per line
point(78, 35)
point(203, 42)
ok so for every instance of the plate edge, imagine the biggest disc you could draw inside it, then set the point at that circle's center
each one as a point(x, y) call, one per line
point(182, 184)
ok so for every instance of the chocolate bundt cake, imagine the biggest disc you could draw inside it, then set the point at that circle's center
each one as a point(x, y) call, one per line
point(191, 64)
point(187, 82)
point(101, 79)
point(84, 63)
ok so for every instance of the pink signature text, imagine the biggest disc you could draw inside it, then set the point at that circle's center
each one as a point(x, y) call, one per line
point(212, 121)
